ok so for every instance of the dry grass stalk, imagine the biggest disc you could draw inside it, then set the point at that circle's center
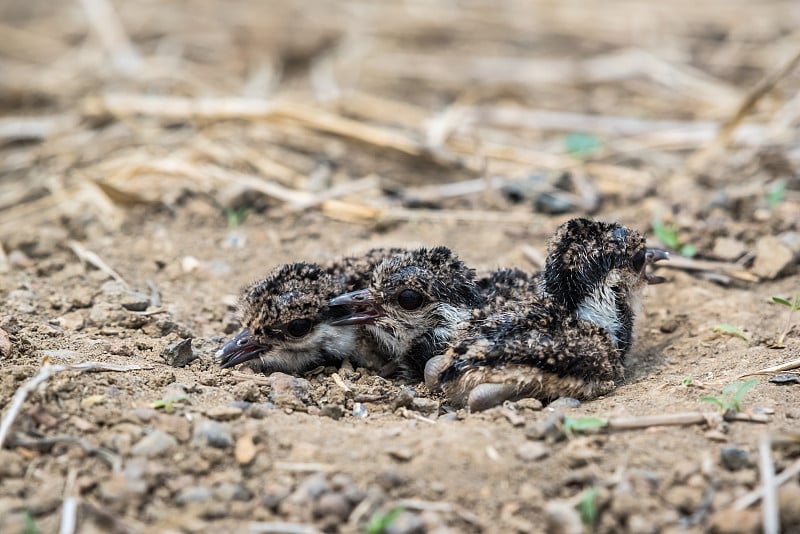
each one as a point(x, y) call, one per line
point(780, 368)
point(700, 160)
point(45, 373)
point(766, 468)
point(87, 256)
point(107, 26)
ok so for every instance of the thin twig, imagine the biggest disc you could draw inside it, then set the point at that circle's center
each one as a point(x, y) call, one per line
point(788, 366)
point(701, 159)
point(86, 255)
point(688, 418)
point(69, 508)
point(240, 376)
point(112, 459)
point(689, 264)
point(48, 370)
point(281, 527)
point(339, 382)
point(304, 467)
point(766, 468)
point(410, 414)
point(107, 26)
point(754, 496)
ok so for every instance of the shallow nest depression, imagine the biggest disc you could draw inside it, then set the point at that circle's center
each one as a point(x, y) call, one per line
point(155, 157)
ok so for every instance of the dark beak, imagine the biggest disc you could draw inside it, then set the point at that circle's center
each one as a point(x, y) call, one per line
point(366, 310)
point(241, 348)
point(653, 255)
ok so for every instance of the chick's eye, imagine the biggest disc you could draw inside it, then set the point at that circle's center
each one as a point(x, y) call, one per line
point(639, 260)
point(299, 327)
point(408, 299)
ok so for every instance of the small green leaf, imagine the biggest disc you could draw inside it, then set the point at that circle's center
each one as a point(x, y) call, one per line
point(30, 524)
point(688, 250)
point(735, 402)
point(587, 507)
point(581, 145)
point(579, 424)
point(687, 381)
point(779, 300)
point(712, 400)
point(380, 522)
point(668, 235)
point(730, 330)
point(776, 193)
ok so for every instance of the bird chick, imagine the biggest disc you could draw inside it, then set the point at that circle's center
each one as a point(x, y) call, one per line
point(568, 340)
point(287, 318)
point(414, 304)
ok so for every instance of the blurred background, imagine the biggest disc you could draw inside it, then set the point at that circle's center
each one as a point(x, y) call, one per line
point(683, 114)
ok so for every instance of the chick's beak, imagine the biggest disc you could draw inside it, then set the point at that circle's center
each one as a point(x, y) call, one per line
point(364, 308)
point(653, 255)
point(239, 349)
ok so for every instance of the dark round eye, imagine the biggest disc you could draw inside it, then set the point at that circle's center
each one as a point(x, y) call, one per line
point(299, 327)
point(639, 259)
point(408, 299)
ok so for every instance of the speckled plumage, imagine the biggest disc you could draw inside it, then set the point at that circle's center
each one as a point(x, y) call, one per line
point(414, 303)
point(293, 299)
point(568, 339)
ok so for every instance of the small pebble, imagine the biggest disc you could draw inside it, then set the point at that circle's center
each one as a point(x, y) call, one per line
point(731, 521)
point(562, 518)
point(773, 258)
point(153, 444)
point(5, 344)
point(334, 504)
point(212, 434)
point(245, 449)
point(179, 354)
point(334, 411)
point(532, 451)
point(529, 403)
point(288, 391)
point(72, 321)
point(425, 406)
point(552, 204)
point(402, 454)
point(194, 494)
point(228, 491)
point(224, 413)
point(134, 301)
point(564, 402)
point(360, 410)
point(734, 458)
point(785, 379)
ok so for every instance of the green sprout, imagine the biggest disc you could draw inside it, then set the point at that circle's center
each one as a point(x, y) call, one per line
point(668, 235)
point(582, 424)
point(587, 507)
point(687, 381)
point(235, 216)
point(381, 521)
point(775, 193)
point(793, 307)
point(730, 330)
point(731, 398)
point(581, 145)
point(30, 524)
point(168, 404)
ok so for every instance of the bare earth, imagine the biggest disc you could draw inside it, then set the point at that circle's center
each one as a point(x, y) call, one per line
point(381, 105)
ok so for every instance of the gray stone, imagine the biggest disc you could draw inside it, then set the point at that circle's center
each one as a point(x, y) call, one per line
point(212, 434)
point(154, 444)
point(179, 354)
point(194, 494)
point(734, 458)
point(532, 451)
point(773, 257)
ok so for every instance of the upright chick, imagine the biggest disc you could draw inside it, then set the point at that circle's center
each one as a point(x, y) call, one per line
point(570, 339)
point(414, 304)
point(287, 318)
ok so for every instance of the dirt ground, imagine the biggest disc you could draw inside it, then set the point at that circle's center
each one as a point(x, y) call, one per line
point(155, 157)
